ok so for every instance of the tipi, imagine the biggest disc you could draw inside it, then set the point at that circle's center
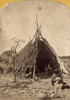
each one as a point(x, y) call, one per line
point(38, 56)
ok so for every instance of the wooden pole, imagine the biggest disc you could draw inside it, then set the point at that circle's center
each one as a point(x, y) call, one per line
point(34, 70)
point(36, 39)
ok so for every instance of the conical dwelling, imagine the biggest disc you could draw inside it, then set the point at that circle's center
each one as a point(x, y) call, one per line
point(38, 53)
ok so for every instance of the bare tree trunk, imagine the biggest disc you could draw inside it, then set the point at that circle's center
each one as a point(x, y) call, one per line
point(15, 73)
point(15, 78)
point(14, 68)
point(4, 71)
point(34, 72)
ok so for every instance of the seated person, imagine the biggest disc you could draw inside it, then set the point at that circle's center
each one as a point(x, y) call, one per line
point(57, 78)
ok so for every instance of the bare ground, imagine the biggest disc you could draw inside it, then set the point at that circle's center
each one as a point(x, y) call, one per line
point(26, 89)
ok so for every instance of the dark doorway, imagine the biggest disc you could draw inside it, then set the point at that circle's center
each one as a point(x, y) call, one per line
point(46, 60)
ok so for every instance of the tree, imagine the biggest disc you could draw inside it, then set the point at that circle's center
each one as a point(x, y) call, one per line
point(14, 53)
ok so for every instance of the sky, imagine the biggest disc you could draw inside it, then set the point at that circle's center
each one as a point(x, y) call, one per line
point(17, 19)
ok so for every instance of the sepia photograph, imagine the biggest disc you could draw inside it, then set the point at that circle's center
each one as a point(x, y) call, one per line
point(35, 50)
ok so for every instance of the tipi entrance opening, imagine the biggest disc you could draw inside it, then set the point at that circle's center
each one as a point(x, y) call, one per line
point(46, 60)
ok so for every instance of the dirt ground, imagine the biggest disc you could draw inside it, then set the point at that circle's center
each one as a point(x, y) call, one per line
point(27, 89)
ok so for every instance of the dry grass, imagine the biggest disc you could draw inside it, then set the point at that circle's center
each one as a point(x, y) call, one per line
point(26, 89)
